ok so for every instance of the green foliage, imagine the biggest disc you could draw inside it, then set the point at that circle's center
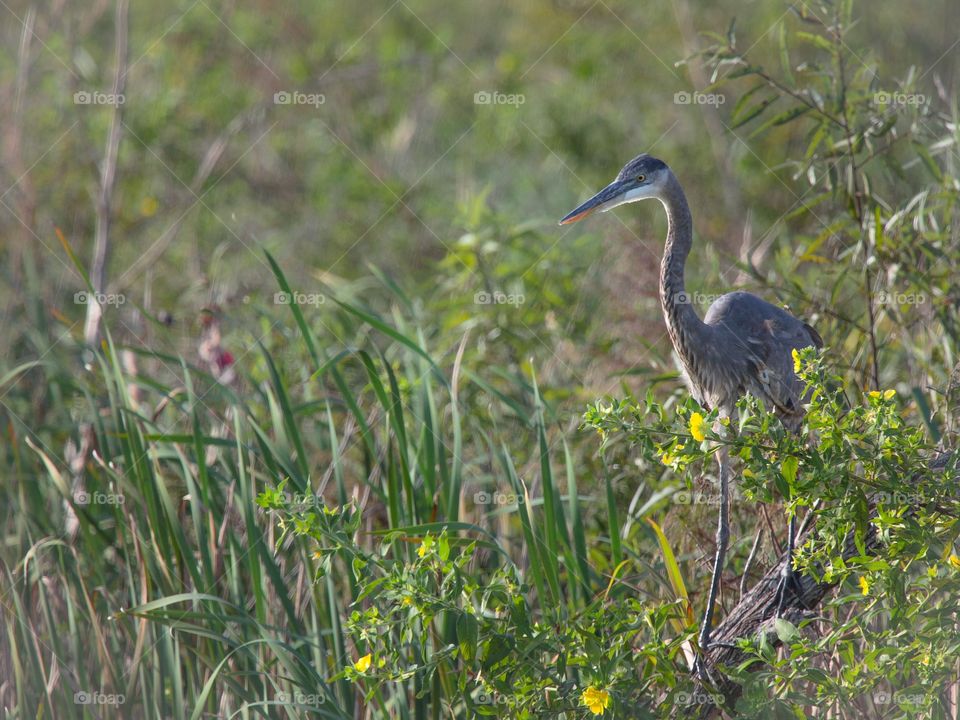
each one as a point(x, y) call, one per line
point(435, 629)
point(873, 185)
point(393, 468)
point(866, 476)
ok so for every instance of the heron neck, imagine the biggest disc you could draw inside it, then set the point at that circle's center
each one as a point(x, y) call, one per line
point(683, 323)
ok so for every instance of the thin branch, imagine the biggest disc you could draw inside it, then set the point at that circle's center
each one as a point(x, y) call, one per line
point(108, 176)
point(857, 202)
point(13, 146)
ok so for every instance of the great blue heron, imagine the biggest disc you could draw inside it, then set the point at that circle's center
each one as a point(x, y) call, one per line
point(743, 344)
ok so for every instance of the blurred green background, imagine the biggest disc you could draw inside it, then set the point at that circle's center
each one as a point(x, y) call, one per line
point(399, 163)
point(410, 159)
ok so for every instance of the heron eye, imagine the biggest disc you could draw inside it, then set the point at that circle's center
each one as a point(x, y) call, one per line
point(641, 178)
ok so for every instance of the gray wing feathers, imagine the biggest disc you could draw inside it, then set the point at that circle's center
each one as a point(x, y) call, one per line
point(764, 336)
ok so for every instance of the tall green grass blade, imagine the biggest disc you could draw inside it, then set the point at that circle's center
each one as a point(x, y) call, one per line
point(390, 332)
point(579, 536)
point(536, 547)
point(675, 576)
point(613, 518)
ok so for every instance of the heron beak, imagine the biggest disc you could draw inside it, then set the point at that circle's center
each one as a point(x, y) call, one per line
point(602, 201)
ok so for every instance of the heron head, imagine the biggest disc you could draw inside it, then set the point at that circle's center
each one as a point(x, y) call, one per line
point(640, 179)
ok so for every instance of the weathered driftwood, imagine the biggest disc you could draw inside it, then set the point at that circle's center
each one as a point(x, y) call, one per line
point(755, 614)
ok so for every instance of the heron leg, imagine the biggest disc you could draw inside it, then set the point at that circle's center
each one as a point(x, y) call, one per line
point(788, 577)
point(723, 537)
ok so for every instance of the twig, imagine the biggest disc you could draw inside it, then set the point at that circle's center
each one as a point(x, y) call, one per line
point(13, 145)
point(857, 203)
point(108, 176)
point(750, 558)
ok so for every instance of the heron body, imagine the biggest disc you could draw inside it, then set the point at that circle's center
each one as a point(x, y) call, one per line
point(743, 344)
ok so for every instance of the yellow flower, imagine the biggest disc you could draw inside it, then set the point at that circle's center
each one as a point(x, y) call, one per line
point(408, 600)
point(363, 664)
point(317, 555)
point(796, 360)
point(425, 545)
point(886, 394)
point(748, 473)
point(148, 206)
point(955, 561)
point(864, 586)
point(668, 458)
point(696, 427)
point(596, 700)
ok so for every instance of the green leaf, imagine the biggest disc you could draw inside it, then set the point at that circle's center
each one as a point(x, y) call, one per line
point(785, 64)
point(468, 633)
point(786, 631)
point(498, 647)
point(789, 469)
point(816, 40)
point(744, 99)
point(928, 162)
point(673, 573)
point(752, 112)
point(383, 327)
point(782, 118)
